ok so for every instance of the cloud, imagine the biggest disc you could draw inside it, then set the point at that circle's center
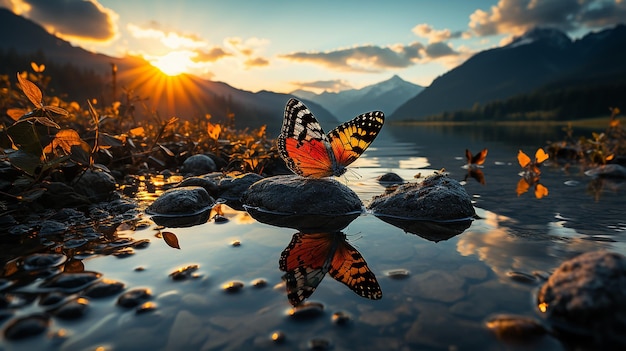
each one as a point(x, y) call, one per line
point(248, 50)
point(256, 62)
point(329, 85)
point(518, 16)
point(168, 38)
point(212, 55)
point(86, 20)
point(435, 36)
point(366, 58)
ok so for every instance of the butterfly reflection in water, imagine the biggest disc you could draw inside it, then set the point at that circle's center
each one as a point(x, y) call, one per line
point(309, 152)
point(308, 258)
point(474, 162)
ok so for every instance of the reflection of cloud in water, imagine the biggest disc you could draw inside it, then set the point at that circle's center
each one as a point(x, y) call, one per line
point(493, 239)
point(414, 163)
point(372, 162)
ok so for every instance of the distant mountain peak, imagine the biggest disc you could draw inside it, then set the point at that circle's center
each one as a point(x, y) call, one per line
point(386, 96)
point(551, 36)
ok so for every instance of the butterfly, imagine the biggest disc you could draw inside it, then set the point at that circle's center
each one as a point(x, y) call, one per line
point(309, 152)
point(529, 165)
point(308, 258)
point(477, 159)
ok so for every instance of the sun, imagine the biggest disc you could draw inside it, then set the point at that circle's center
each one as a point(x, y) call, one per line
point(173, 63)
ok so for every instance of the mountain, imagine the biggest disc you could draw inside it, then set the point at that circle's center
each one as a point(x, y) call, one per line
point(79, 75)
point(542, 58)
point(385, 96)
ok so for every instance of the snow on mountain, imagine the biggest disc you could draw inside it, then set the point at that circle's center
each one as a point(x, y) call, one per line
point(385, 96)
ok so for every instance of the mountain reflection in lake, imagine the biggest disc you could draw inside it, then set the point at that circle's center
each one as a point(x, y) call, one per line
point(224, 288)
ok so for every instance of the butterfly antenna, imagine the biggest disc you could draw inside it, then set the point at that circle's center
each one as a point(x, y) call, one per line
point(354, 173)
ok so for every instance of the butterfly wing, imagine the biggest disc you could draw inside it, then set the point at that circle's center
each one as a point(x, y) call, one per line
point(305, 260)
point(349, 268)
point(540, 156)
point(468, 156)
point(349, 140)
point(302, 143)
point(480, 157)
point(523, 159)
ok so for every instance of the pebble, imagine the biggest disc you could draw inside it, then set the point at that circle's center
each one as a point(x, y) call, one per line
point(341, 318)
point(28, 326)
point(259, 283)
point(104, 288)
point(71, 282)
point(135, 297)
point(41, 261)
point(398, 274)
point(72, 309)
point(319, 344)
point(185, 273)
point(233, 286)
point(307, 310)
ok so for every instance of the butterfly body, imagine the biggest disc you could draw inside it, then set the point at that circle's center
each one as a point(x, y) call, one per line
point(310, 256)
point(309, 152)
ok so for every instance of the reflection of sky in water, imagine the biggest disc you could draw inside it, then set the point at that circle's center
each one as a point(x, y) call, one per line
point(493, 241)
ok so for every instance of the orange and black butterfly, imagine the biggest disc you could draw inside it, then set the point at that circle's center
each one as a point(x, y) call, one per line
point(529, 165)
point(309, 152)
point(477, 159)
point(308, 258)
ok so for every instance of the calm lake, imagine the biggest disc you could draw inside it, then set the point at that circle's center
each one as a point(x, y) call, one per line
point(435, 295)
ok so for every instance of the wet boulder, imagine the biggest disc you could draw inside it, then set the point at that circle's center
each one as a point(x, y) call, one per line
point(612, 170)
point(232, 187)
point(436, 198)
point(182, 201)
point(197, 165)
point(306, 204)
point(182, 207)
point(585, 297)
point(209, 184)
point(97, 186)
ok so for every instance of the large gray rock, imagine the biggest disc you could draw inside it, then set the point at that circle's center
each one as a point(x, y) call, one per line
point(183, 201)
point(97, 186)
point(436, 198)
point(306, 204)
point(586, 297)
point(197, 165)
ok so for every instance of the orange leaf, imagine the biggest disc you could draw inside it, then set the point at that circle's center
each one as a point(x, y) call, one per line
point(32, 92)
point(171, 239)
point(16, 113)
point(213, 130)
point(137, 132)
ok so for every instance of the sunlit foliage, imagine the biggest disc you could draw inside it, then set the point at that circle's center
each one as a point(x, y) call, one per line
point(45, 136)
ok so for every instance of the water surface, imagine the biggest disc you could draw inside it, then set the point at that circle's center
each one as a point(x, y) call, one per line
point(436, 295)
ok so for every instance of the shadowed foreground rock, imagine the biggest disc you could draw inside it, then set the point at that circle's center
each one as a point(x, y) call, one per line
point(182, 207)
point(586, 298)
point(305, 204)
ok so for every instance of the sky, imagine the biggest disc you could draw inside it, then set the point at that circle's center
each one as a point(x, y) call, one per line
point(322, 45)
